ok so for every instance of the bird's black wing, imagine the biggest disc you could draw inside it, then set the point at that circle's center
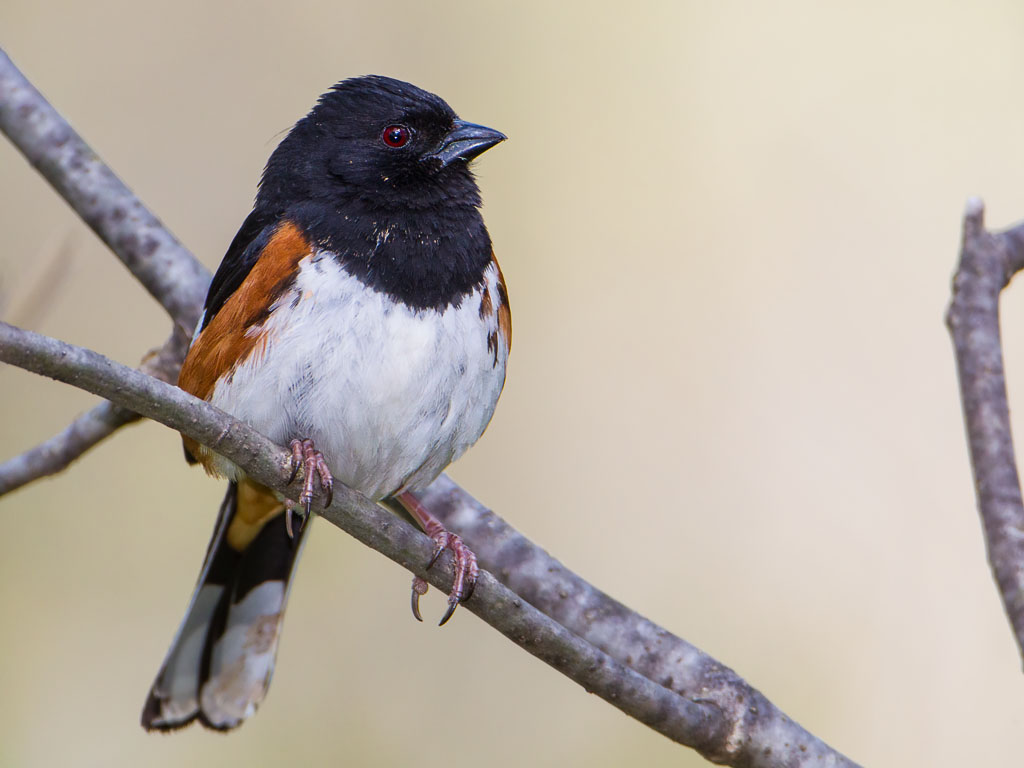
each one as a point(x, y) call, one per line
point(242, 254)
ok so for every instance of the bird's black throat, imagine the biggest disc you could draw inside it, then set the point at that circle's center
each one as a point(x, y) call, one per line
point(426, 259)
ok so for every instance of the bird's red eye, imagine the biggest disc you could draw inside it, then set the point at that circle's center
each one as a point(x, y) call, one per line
point(396, 136)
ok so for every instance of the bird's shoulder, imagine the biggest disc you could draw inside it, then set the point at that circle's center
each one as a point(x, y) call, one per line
point(248, 283)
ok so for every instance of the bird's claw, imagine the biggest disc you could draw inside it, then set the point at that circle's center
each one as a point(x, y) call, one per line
point(314, 468)
point(419, 587)
point(466, 573)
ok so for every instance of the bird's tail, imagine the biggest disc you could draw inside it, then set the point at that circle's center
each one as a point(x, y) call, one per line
point(219, 665)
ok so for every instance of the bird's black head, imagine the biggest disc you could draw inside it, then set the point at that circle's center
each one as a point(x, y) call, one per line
point(383, 142)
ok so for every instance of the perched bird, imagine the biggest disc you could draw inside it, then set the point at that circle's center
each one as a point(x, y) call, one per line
point(360, 317)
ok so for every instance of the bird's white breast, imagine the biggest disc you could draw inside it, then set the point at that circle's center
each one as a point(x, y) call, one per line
point(390, 395)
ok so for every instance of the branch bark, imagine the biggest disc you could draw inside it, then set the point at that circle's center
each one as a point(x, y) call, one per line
point(698, 725)
point(633, 663)
point(161, 263)
point(55, 454)
point(171, 274)
point(92, 427)
point(987, 263)
point(725, 719)
point(754, 723)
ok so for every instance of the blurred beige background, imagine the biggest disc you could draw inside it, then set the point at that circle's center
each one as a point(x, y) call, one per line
point(728, 230)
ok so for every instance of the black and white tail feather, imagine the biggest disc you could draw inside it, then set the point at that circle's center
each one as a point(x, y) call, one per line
point(220, 662)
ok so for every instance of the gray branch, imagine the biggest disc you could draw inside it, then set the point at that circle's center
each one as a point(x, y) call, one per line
point(91, 428)
point(55, 454)
point(634, 664)
point(173, 276)
point(987, 262)
point(152, 254)
point(752, 721)
point(698, 725)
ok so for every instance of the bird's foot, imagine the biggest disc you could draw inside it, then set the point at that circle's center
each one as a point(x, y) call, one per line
point(466, 568)
point(314, 468)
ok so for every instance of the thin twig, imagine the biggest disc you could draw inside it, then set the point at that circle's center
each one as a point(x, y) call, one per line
point(987, 262)
point(40, 296)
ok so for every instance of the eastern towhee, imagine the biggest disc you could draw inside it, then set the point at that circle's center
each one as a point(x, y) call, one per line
point(359, 316)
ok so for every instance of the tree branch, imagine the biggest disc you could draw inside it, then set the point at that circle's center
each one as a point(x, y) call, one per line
point(55, 454)
point(614, 652)
point(699, 725)
point(168, 271)
point(754, 722)
point(987, 263)
point(92, 427)
point(721, 716)
point(154, 256)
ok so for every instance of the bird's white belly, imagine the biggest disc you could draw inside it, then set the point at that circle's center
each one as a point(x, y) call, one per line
point(389, 395)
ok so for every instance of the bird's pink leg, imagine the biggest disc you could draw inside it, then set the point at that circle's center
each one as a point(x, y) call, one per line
point(466, 569)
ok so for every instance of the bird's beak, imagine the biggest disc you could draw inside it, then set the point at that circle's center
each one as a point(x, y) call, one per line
point(464, 142)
